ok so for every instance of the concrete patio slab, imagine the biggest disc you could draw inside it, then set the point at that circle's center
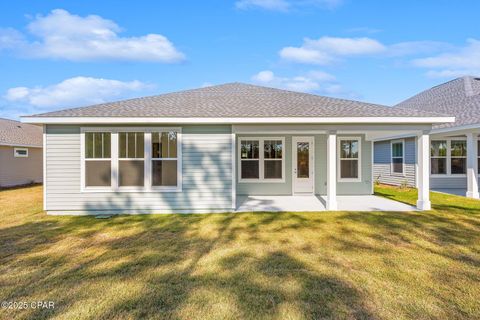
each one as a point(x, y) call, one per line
point(317, 203)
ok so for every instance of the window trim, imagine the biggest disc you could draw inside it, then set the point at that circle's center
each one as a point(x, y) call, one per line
point(114, 158)
point(16, 155)
point(261, 159)
point(393, 173)
point(359, 159)
point(448, 157)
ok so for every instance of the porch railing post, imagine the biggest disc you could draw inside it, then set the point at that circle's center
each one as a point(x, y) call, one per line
point(423, 148)
point(472, 166)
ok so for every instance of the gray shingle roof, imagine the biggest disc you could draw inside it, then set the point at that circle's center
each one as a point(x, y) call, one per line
point(459, 97)
point(19, 134)
point(236, 100)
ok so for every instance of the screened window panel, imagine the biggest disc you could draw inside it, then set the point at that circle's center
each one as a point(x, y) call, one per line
point(438, 148)
point(89, 145)
point(273, 169)
point(250, 169)
point(272, 149)
point(438, 165)
point(397, 165)
point(349, 149)
point(98, 173)
point(164, 173)
point(458, 166)
point(249, 149)
point(131, 173)
point(458, 148)
point(348, 169)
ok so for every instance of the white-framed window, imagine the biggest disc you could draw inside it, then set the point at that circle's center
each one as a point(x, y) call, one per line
point(164, 161)
point(349, 159)
point(97, 160)
point(20, 152)
point(131, 159)
point(261, 159)
point(438, 157)
point(398, 157)
point(448, 157)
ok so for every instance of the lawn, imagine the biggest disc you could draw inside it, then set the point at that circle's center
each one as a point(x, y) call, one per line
point(339, 265)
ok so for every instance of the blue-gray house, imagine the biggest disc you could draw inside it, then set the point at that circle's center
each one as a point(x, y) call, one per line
point(201, 150)
point(454, 147)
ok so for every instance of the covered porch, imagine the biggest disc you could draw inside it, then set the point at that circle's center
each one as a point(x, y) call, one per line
point(318, 203)
point(319, 167)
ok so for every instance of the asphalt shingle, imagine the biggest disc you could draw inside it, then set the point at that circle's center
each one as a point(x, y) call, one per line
point(237, 100)
point(21, 134)
point(459, 97)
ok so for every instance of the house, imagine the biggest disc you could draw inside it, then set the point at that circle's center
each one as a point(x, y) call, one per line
point(20, 153)
point(198, 150)
point(454, 147)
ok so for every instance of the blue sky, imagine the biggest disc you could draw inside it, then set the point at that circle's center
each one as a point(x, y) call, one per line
point(58, 54)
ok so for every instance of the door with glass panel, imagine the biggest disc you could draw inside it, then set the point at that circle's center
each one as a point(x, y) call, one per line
point(303, 165)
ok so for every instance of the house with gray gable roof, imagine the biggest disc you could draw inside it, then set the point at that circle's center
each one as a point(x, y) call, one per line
point(20, 153)
point(230, 147)
point(454, 146)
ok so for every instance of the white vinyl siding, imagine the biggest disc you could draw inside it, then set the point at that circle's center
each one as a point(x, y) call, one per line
point(206, 179)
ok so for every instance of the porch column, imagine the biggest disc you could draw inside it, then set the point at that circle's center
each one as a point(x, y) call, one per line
point(472, 166)
point(332, 170)
point(423, 153)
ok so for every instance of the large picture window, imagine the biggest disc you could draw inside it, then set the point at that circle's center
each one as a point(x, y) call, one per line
point(398, 159)
point(98, 167)
point(164, 159)
point(349, 159)
point(131, 159)
point(131, 156)
point(261, 159)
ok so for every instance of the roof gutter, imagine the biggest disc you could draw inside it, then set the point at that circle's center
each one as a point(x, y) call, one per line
point(298, 120)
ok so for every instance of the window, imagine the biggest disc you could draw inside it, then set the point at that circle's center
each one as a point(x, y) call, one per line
point(438, 157)
point(20, 152)
point(448, 157)
point(164, 159)
point(397, 156)
point(131, 159)
point(458, 152)
point(261, 160)
point(98, 165)
point(273, 153)
point(349, 159)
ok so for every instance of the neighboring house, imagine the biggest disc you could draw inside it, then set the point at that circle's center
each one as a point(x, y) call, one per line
point(197, 150)
point(20, 153)
point(453, 148)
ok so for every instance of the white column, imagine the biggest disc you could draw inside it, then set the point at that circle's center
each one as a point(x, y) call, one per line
point(332, 171)
point(423, 153)
point(472, 166)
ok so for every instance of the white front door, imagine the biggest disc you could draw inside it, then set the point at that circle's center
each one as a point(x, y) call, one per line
point(303, 165)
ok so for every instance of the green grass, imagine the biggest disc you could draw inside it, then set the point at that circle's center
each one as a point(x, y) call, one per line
point(338, 265)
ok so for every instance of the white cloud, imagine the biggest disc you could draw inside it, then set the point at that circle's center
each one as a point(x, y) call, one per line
point(455, 62)
point(63, 35)
point(313, 81)
point(326, 50)
point(285, 5)
point(73, 92)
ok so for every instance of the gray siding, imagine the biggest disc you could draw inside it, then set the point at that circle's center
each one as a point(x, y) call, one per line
point(448, 182)
point(382, 163)
point(18, 171)
point(285, 188)
point(207, 172)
